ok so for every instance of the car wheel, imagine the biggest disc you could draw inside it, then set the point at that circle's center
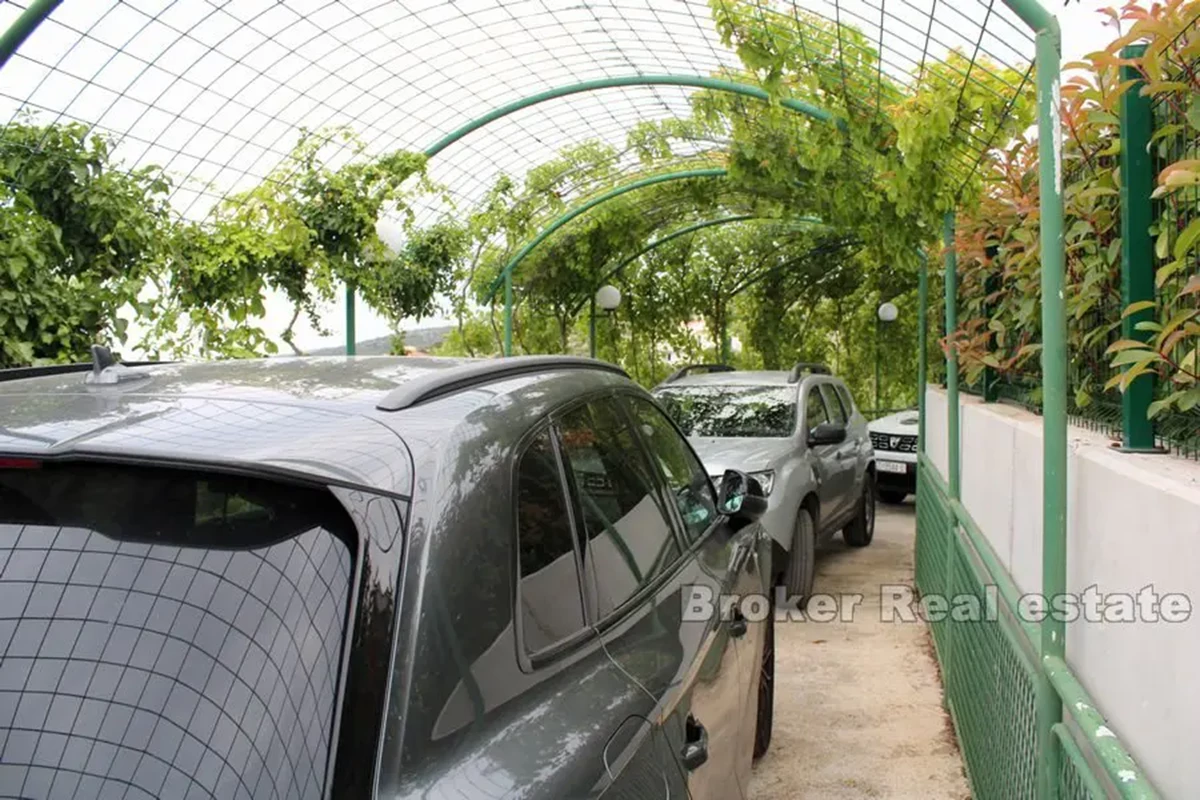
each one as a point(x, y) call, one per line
point(893, 496)
point(861, 529)
point(766, 690)
point(799, 579)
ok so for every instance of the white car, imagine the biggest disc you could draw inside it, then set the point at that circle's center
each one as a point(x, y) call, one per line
point(894, 439)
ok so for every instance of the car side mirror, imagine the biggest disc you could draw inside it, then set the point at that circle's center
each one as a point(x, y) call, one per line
point(741, 498)
point(827, 433)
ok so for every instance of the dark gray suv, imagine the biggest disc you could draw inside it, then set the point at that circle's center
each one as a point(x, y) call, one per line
point(393, 577)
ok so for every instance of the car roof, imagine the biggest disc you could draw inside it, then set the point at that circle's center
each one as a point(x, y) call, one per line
point(309, 417)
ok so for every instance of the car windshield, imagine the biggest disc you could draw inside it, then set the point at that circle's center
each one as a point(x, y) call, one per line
point(732, 411)
point(165, 633)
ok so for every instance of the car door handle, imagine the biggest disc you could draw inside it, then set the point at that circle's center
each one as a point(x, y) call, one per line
point(738, 625)
point(695, 746)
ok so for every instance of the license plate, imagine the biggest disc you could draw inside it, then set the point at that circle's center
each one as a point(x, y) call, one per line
point(891, 466)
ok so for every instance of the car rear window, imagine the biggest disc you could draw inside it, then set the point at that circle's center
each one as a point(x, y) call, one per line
point(165, 633)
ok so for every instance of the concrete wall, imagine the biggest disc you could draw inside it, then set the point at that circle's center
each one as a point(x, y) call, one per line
point(1133, 521)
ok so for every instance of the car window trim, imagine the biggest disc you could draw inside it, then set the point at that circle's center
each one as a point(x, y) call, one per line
point(531, 660)
point(601, 624)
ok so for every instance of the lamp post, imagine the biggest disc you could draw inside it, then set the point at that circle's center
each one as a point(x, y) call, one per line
point(887, 312)
point(607, 297)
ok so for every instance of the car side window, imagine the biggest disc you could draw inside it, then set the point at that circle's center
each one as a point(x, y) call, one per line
point(629, 539)
point(814, 409)
point(834, 404)
point(847, 400)
point(686, 479)
point(549, 589)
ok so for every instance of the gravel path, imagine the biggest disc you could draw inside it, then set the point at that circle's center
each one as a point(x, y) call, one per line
point(858, 705)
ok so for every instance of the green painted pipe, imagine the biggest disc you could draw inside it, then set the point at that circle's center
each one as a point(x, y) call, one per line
point(33, 15)
point(1130, 781)
point(684, 231)
point(1035, 15)
point(952, 412)
point(715, 172)
point(351, 339)
point(695, 81)
point(508, 314)
point(923, 344)
point(1054, 397)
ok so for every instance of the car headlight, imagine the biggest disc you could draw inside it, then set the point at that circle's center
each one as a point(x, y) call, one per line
point(766, 479)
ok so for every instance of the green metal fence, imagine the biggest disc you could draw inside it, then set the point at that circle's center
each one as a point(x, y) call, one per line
point(1164, 130)
point(990, 667)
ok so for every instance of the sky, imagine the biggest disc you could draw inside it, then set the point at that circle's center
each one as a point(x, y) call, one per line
point(217, 92)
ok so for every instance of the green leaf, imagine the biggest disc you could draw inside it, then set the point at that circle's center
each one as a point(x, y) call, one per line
point(1148, 325)
point(1159, 406)
point(1187, 238)
point(1125, 344)
point(1135, 357)
point(1140, 305)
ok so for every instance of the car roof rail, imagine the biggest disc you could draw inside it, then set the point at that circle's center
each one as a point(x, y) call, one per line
point(807, 367)
point(706, 368)
point(102, 359)
point(448, 381)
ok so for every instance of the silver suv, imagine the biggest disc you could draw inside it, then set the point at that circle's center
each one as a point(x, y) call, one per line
point(800, 436)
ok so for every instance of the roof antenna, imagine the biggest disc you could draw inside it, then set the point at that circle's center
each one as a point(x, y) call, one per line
point(106, 370)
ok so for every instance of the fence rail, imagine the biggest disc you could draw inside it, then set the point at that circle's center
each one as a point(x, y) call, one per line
point(990, 668)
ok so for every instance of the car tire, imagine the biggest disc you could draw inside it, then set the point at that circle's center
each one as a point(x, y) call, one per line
point(861, 529)
point(892, 496)
point(799, 576)
point(766, 690)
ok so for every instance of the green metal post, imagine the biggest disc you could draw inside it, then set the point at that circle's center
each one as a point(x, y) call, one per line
point(1054, 400)
point(23, 26)
point(990, 378)
point(592, 327)
point(508, 313)
point(1137, 249)
point(351, 340)
point(923, 344)
point(952, 443)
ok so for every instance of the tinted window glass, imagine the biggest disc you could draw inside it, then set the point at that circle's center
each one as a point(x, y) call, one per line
point(629, 540)
point(551, 605)
point(685, 476)
point(814, 409)
point(730, 411)
point(847, 401)
point(833, 404)
point(165, 634)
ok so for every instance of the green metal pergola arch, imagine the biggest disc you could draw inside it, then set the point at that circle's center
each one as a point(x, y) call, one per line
point(690, 81)
point(1056, 688)
point(658, 242)
point(505, 276)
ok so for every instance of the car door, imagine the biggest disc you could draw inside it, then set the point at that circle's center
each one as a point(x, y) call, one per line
point(824, 458)
point(844, 469)
point(635, 567)
point(726, 558)
point(628, 752)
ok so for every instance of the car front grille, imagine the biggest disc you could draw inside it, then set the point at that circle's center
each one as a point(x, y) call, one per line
point(897, 444)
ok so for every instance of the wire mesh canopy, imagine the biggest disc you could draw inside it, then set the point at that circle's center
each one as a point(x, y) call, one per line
point(217, 93)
